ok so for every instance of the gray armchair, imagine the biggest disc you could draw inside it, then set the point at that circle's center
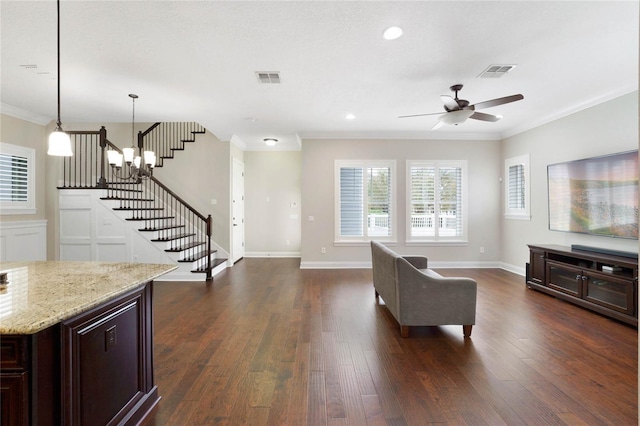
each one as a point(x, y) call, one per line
point(418, 296)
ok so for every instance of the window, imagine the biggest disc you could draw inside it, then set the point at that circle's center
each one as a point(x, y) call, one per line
point(365, 206)
point(436, 201)
point(517, 188)
point(17, 179)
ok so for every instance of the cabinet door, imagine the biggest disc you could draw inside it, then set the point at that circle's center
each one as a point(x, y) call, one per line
point(537, 266)
point(14, 399)
point(613, 292)
point(565, 278)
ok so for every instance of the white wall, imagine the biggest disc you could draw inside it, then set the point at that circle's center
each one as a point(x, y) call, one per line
point(318, 158)
point(272, 203)
point(603, 129)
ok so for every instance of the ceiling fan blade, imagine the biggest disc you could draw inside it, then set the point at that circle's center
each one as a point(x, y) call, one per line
point(498, 101)
point(484, 117)
point(449, 103)
point(437, 125)
point(420, 115)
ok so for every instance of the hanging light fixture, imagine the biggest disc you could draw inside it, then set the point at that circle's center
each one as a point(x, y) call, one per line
point(148, 159)
point(59, 141)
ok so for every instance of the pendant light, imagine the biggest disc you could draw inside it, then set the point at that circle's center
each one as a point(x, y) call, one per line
point(59, 141)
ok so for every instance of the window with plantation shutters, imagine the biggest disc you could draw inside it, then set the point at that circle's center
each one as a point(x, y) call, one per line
point(517, 188)
point(365, 200)
point(17, 179)
point(436, 201)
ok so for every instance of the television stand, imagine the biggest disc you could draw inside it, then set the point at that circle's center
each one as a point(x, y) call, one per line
point(602, 282)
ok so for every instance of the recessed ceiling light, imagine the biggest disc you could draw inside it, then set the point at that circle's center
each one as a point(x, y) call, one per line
point(270, 141)
point(350, 117)
point(392, 33)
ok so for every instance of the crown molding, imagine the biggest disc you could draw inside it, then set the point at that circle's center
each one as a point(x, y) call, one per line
point(22, 114)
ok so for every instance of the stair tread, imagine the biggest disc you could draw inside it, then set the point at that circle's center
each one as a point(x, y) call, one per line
point(214, 263)
point(185, 247)
point(161, 228)
point(139, 208)
point(151, 218)
point(126, 199)
point(197, 256)
point(124, 189)
point(172, 237)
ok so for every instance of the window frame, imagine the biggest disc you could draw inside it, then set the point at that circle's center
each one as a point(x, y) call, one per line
point(28, 206)
point(437, 240)
point(340, 240)
point(518, 213)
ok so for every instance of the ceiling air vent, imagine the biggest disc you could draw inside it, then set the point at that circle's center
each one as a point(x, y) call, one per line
point(496, 71)
point(268, 77)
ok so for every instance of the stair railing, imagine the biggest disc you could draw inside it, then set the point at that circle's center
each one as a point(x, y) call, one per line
point(150, 201)
point(166, 138)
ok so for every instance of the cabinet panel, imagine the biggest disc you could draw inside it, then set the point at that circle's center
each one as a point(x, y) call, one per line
point(609, 291)
point(14, 399)
point(565, 278)
point(600, 280)
point(537, 266)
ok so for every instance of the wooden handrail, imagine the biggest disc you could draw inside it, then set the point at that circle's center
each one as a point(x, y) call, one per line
point(177, 197)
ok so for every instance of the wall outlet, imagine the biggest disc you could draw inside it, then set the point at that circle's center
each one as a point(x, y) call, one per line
point(323, 250)
point(481, 250)
point(135, 258)
point(287, 242)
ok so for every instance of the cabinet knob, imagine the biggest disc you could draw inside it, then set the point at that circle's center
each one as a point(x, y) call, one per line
point(578, 277)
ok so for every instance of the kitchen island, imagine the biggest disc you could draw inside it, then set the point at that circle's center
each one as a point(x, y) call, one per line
point(76, 342)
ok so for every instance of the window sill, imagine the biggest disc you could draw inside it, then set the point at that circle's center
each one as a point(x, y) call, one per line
point(517, 216)
point(21, 210)
point(367, 243)
point(437, 243)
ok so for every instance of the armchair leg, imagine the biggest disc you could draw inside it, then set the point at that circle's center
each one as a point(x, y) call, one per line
point(404, 330)
point(466, 330)
point(377, 294)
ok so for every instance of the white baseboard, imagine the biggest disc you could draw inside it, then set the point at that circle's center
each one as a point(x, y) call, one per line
point(272, 254)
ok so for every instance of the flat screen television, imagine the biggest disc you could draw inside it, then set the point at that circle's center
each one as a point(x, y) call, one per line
point(597, 196)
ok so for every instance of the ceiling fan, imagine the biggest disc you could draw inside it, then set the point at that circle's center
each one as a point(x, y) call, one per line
point(458, 110)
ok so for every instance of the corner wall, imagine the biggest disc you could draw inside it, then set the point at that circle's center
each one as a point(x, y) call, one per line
point(318, 200)
point(606, 128)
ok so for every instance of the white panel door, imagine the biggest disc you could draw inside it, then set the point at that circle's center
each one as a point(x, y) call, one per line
point(237, 207)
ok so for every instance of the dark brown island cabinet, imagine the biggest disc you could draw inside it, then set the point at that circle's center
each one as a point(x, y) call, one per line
point(604, 281)
point(94, 366)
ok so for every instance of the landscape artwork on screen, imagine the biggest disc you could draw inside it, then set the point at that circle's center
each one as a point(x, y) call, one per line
point(597, 196)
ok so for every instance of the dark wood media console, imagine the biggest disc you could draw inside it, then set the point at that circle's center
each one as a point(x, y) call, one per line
point(602, 282)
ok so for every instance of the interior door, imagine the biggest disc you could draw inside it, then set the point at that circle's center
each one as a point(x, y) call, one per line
point(237, 206)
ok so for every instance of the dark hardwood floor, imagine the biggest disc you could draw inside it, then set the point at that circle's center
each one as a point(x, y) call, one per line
point(269, 344)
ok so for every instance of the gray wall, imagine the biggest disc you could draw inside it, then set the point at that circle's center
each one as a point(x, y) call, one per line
point(607, 128)
point(272, 203)
point(318, 159)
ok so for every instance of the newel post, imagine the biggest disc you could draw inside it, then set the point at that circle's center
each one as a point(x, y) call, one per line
point(102, 180)
point(209, 233)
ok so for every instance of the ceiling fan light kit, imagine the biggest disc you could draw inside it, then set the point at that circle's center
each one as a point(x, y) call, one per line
point(457, 111)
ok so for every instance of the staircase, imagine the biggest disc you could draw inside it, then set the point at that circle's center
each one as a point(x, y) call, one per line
point(147, 204)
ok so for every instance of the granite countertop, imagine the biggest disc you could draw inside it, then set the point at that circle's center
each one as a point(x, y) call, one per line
point(38, 295)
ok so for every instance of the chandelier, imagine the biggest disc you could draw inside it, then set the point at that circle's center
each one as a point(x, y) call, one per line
point(139, 167)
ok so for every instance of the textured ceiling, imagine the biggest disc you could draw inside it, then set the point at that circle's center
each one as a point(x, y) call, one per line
point(196, 61)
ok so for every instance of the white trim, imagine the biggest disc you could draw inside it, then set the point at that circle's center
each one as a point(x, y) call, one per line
point(21, 207)
point(518, 214)
point(393, 207)
point(25, 115)
point(437, 240)
point(23, 240)
point(419, 243)
point(336, 265)
point(277, 254)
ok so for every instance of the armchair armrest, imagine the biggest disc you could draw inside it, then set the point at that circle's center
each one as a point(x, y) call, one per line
point(418, 262)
